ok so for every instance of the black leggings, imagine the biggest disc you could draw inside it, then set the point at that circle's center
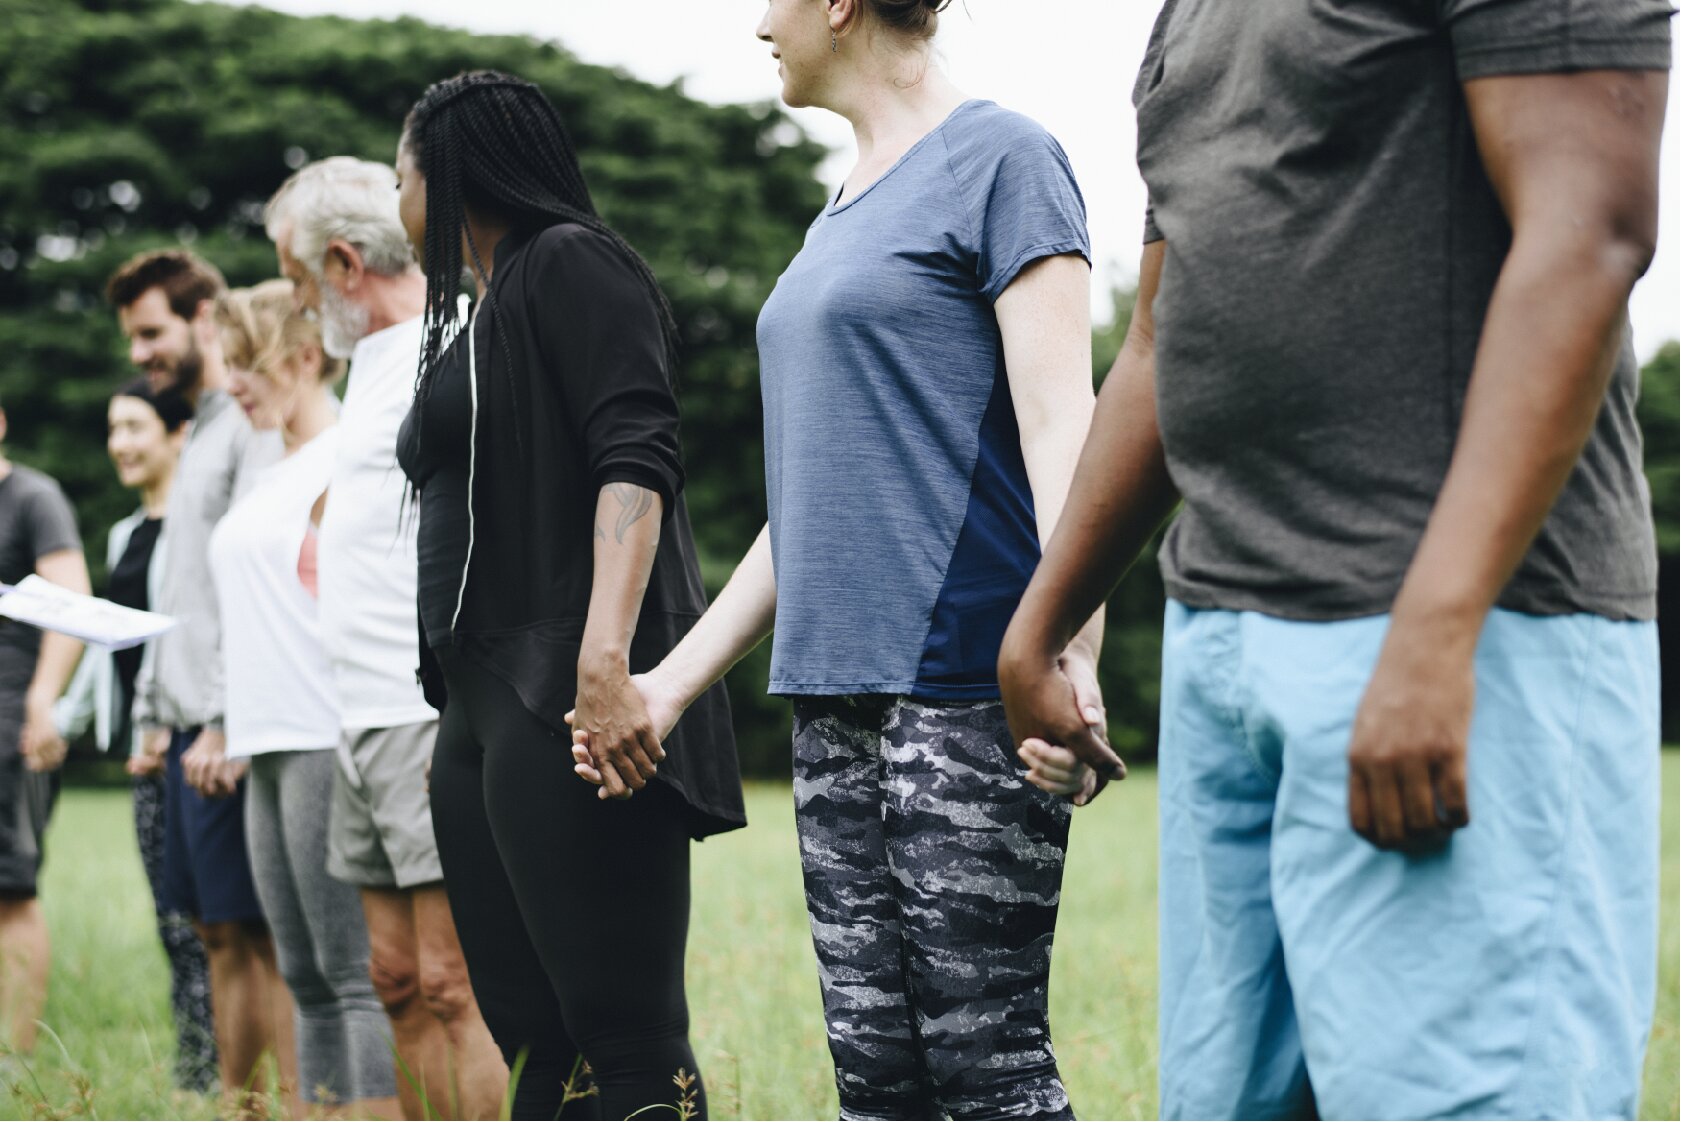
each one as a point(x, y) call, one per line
point(573, 911)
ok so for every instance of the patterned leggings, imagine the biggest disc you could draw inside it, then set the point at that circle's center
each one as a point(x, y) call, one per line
point(189, 970)
point(932, 875)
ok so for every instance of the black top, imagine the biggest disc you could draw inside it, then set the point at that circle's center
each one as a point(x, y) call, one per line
point(573, 394)
point(438, 466)
point(127, 586)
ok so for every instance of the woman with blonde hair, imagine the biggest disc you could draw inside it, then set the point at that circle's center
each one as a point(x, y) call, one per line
point(282, 713)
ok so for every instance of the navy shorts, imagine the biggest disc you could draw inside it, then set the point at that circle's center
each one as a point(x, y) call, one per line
point(206, 869)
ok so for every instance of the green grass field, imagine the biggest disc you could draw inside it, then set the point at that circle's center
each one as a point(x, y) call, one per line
point(758, 1024)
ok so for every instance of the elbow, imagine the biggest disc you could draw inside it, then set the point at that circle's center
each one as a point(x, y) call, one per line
point(1616, 242)
point(1606, 256)
point(1626, 249)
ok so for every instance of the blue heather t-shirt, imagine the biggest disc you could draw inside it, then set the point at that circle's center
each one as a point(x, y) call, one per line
point(901, 520)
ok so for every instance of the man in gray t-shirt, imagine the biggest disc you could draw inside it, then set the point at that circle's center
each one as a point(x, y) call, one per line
point(1410, 689)
point(37, 536)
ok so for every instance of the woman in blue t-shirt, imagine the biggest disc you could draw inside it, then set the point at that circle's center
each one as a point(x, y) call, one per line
point(926, 372)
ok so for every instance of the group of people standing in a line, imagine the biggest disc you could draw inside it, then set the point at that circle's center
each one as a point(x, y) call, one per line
point(1379, 358)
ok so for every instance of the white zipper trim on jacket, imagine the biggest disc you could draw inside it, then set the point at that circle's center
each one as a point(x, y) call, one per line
point(472, 456)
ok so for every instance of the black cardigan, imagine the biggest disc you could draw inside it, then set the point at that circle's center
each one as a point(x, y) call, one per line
point(586, 401)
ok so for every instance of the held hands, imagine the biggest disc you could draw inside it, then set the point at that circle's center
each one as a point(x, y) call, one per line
point(154, 746)
point(1406, 756)
point(615, 733)
point(1056, 716)
point(43, 749)
point(208, 770)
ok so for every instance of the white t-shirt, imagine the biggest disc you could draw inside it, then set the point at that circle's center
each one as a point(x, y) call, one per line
point(280, 695)
point(367, 555)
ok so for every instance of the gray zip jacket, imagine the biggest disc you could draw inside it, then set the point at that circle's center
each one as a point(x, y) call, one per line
point(180, 684)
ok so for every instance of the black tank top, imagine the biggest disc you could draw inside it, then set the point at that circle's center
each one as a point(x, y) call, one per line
point(128, 586)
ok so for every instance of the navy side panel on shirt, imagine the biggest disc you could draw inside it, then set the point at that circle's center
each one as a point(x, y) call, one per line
point(996, 553)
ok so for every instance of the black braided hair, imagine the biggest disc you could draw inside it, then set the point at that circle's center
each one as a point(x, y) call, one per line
point(495, 143)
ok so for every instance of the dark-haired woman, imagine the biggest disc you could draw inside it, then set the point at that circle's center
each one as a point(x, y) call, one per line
point(144, 435)
point(926, 371)
point(555, 558)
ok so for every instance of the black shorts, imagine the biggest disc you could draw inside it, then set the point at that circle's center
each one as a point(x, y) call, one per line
point(26, 802)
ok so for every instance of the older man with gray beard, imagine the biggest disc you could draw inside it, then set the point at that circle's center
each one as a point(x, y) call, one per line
point(336, 233)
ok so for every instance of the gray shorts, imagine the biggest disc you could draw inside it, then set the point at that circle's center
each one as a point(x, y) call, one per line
point(26, 802)
point(379, 830)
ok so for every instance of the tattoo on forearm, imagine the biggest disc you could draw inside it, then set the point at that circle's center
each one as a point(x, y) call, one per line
point(634, 503)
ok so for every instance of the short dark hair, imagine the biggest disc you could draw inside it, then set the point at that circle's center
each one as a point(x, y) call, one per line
point(171, 406)
point(186, 278)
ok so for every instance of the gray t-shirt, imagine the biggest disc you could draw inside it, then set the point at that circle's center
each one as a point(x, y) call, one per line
point(1332, 242)
point(35, 520)
point(180, 684)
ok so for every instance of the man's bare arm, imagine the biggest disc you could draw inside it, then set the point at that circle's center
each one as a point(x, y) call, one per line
point(1574, 160)
point(43, 748)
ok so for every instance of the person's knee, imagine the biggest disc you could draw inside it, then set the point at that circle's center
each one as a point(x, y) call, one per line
point(221, 938)
point(446, 988)
point(310, 989)
point(396, 982)
point(19, 909)
point(233, 937)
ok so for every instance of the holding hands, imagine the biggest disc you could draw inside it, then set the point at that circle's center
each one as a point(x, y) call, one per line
point(1056, 717)
point(43, 748)
point(150, 759)
point(207, 768)
point(617, 727)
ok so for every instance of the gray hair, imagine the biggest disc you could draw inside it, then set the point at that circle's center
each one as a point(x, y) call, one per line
point(344, 198)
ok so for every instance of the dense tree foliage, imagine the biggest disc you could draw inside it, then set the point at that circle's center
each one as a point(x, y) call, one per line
point(131, 124)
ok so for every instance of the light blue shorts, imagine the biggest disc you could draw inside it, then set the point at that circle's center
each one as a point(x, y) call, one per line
point(1511, 975)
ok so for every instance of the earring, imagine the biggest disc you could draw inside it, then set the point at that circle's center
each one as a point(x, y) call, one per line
point(834, 42)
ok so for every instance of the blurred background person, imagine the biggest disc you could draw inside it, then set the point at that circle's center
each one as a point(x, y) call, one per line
point(335, 229)
point(165, 304)
point(554, 555)
point(146, 430)
point(282, 711)
point(37, 535)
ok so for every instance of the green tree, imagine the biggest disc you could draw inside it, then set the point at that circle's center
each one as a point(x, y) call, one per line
point(1660, 421)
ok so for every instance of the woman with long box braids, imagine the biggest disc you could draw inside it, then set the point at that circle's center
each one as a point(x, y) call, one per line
point(555, 558)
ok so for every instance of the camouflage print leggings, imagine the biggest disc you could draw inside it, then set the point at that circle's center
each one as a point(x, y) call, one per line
point(932, 873)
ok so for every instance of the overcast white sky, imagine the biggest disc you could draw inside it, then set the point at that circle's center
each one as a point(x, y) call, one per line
point(1068, 64)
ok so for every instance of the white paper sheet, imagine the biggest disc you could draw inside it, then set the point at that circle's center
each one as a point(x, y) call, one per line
point(44, 604)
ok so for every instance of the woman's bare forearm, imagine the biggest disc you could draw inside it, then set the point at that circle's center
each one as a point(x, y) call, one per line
point(739, 620)
point(1120, 494)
